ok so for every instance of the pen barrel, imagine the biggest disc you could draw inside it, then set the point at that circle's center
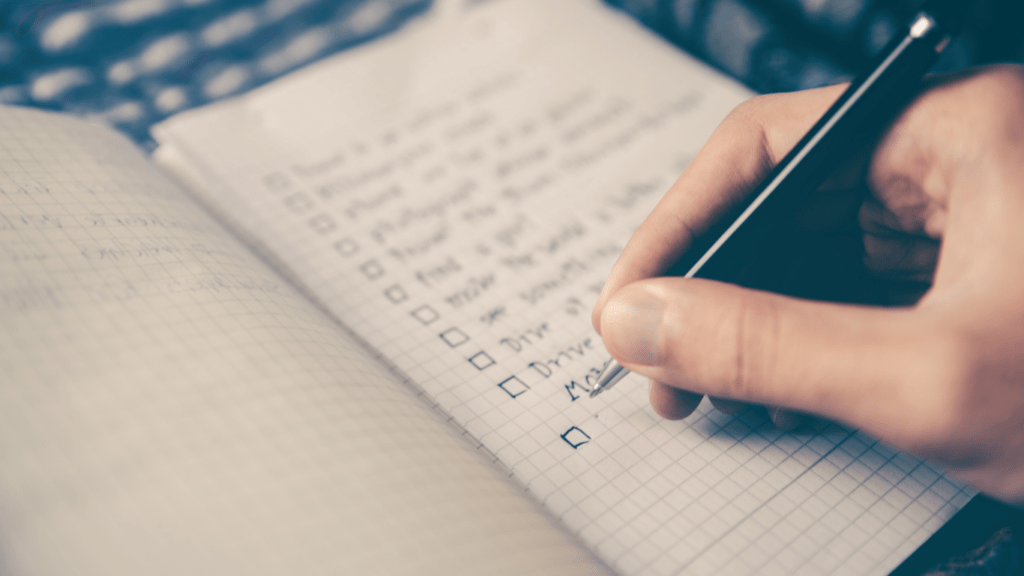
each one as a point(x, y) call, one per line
point(854, 121)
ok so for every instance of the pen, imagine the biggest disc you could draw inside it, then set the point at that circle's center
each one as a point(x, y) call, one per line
point(870, 103)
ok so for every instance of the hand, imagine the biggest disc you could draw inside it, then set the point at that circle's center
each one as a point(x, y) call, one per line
point(943, 378)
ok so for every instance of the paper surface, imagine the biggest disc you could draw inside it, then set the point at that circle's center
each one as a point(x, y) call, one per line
point(456, 196)
point(170, 405)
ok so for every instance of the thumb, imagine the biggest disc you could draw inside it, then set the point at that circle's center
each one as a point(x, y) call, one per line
point(848, 363)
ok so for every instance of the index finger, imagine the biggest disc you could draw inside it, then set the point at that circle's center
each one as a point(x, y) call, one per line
point(739, 154)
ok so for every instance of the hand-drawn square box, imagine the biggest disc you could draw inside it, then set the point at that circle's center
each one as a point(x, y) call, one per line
point(298, 203)
point(575, 437)
point(276, 181)
point(346, 247)
point(322, 224)
point(454, 337)
point(481, 360)
point(425, 314)
point(396, 294)
point(371, 269)
point(513, 386)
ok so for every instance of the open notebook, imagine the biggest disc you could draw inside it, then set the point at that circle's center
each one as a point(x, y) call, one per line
point(361, 343)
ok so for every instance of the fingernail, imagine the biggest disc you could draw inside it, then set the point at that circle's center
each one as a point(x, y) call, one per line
point(631, 326)
point(784, 419)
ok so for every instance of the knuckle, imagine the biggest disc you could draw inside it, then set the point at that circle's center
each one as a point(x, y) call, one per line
point(1008, 79)
point(744, 124)
point(753, 109)
point(745, 132)
point(751, 353)
point(991, 100)
point(940, 385)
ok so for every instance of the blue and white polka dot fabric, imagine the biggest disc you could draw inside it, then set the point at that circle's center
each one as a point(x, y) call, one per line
point(134, 62)
point(784, 45)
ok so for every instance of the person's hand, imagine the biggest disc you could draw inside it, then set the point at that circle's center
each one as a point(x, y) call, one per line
point(943, 378)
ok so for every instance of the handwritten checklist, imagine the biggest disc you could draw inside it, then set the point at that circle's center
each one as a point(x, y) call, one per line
point(463, 225)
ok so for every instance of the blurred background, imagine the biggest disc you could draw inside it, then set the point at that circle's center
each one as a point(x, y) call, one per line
point(133, 62)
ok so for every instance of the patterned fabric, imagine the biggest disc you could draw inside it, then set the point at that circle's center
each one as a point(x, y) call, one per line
point(1002, 554)
point(783, 45)
point(134, 62)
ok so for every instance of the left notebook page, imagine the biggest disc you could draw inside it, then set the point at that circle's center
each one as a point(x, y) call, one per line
point(168, 404)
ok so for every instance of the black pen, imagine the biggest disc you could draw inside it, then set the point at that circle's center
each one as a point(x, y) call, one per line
point(871, 102)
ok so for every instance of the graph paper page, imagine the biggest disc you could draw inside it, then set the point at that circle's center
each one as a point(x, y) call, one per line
point(457, 194)
point(169, 405)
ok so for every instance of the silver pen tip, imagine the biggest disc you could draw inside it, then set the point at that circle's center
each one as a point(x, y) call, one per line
point(610, 375)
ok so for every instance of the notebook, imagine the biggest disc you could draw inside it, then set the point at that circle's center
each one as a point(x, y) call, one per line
point(340, 324)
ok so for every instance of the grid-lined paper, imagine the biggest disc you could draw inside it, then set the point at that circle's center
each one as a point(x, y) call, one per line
point(456, 196)
point(169, 405)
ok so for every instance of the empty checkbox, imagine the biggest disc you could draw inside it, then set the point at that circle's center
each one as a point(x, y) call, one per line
point(298, 203)
point(575, 437)
point(454, 337)
point(372, 269)
point(346, 247)
point(481, 360)
point(322, 223)
point(396, 294)
point(513, 386)
point(425, 314)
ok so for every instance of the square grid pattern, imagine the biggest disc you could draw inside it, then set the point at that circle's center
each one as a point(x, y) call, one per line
point(710, 495)
point(162, 391)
